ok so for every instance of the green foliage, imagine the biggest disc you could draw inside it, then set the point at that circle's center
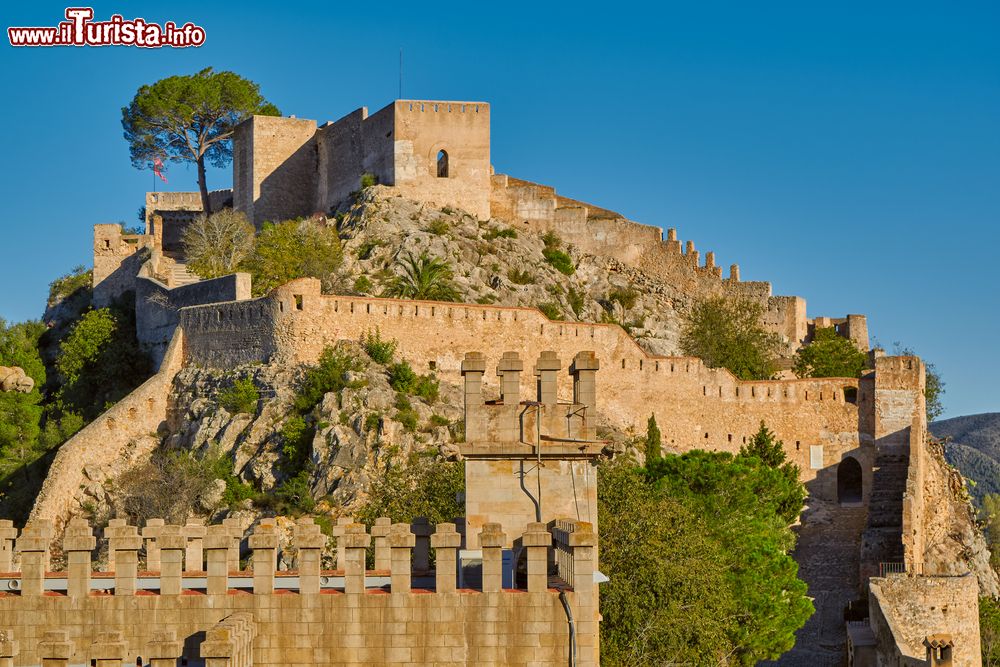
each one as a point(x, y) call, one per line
point(242, 396)
point(551, 240)
point(221, 467)
point(520, 277)
point(330, 375)
point(624, 297)
point(668, 600)
point(191, 118)
point(404, 379)
point(381, 351)
point(765, 447)
point(500, 233)
point(934, 388)
point(421, 487)
point(551, 310)
point(576, 301)
point(294, 249)
point(99, 362)
point(77, 280)
point(438, 420)
point(368, 247)
point(438, 227)
point(729, 333)
point(294, 495)
point(560, 261)
point(216, 245)
point(363, 285)
point(21, 414)
point(423, 277)
point(747, 507)
point(829, 355)
point(989, 631)
point(373, 421)
point(653, 442)
point(368, 179)
point(989, 514)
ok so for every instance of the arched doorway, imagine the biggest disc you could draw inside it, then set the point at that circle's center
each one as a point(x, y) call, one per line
point(442, 164)
point(849, 481)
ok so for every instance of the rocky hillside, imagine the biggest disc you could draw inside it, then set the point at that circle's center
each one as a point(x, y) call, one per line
point(973, 446)
point(496, 262)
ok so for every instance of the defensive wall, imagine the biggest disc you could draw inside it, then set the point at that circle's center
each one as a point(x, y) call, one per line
point(192, 601)
point(435, 151)
point(598, 231)
point(820, 420)
point(111, 443)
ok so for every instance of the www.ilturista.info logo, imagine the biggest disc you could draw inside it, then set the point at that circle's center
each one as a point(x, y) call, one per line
point(79, 29)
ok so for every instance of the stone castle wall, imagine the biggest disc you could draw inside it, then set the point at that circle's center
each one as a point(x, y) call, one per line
point(191, 600)
point(905, 610)
point(112, 442)
point(696, 407)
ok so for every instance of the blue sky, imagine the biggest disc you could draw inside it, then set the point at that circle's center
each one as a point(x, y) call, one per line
point(847, 152)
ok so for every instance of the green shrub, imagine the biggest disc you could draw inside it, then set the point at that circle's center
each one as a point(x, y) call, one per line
point(381, 351)
point(559, 260)
point(330, 375)
point(576, 300)
point(294, 249)
point(500, 233)
point(402, 377)
point(363, 285)
point(295, 495)
point(368, 179)
point(79, 279)
point(551, 310)
point(520, 277)
point(427, 387)
point(408, 418)
point(486, 299)
point(242, 396)
point(829, 355)
point(422, 487)
point(729, 333)
point(438, 420)
point(368, 247)
point(438, 227)
point(551, 240)
point(373, 420)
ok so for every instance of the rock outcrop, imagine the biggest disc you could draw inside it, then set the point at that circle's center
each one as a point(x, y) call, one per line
point(13, 378)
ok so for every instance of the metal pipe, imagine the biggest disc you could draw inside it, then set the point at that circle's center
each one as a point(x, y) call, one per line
point(572, 627)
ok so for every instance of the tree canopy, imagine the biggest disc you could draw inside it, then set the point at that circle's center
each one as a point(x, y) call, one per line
point(728, 332)
point(294, 249)
point(191, 118)
point(829, 355)
point(697, 550)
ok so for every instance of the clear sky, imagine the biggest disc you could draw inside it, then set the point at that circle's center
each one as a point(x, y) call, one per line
point(847, 152)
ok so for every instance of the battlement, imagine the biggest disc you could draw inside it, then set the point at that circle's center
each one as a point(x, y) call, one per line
point(179, 592)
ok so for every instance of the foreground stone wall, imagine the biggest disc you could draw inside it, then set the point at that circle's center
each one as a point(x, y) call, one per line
point(696, 406)
point(196, 604)
point(111, 443)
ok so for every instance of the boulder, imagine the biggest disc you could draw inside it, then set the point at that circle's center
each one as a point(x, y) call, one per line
point(13, 378)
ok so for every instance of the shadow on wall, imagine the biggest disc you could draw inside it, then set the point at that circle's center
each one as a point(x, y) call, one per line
point(288, 191)
point(121, 280)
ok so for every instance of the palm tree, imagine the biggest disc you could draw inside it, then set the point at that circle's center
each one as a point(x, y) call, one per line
point(423, 277)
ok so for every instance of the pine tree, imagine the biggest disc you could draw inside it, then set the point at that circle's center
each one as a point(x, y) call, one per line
point(653, 443)
point(764, 446)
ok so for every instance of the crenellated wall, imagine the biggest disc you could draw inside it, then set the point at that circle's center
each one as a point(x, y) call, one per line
point(696, 406)
point(195, 603)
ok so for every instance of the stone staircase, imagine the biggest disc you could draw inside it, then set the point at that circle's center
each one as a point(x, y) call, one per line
point(179, 274)
point(883, 538)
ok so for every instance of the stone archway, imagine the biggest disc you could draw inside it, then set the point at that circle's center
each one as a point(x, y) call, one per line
point(849, 481)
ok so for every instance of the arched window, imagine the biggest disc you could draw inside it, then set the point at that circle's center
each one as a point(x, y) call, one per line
point(849, 481)
point(442, 164)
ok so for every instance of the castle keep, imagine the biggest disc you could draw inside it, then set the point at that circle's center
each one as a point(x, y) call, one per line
point(523, 561)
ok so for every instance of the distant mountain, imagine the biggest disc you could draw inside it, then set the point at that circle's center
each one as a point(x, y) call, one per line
point(973, 448)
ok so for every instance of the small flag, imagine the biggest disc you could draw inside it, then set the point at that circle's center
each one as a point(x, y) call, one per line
point(158, 169)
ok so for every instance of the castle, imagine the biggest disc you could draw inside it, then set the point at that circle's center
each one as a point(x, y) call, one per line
point(861, 444)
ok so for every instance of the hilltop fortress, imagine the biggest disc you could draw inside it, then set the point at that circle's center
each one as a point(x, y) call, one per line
point(861, 444)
